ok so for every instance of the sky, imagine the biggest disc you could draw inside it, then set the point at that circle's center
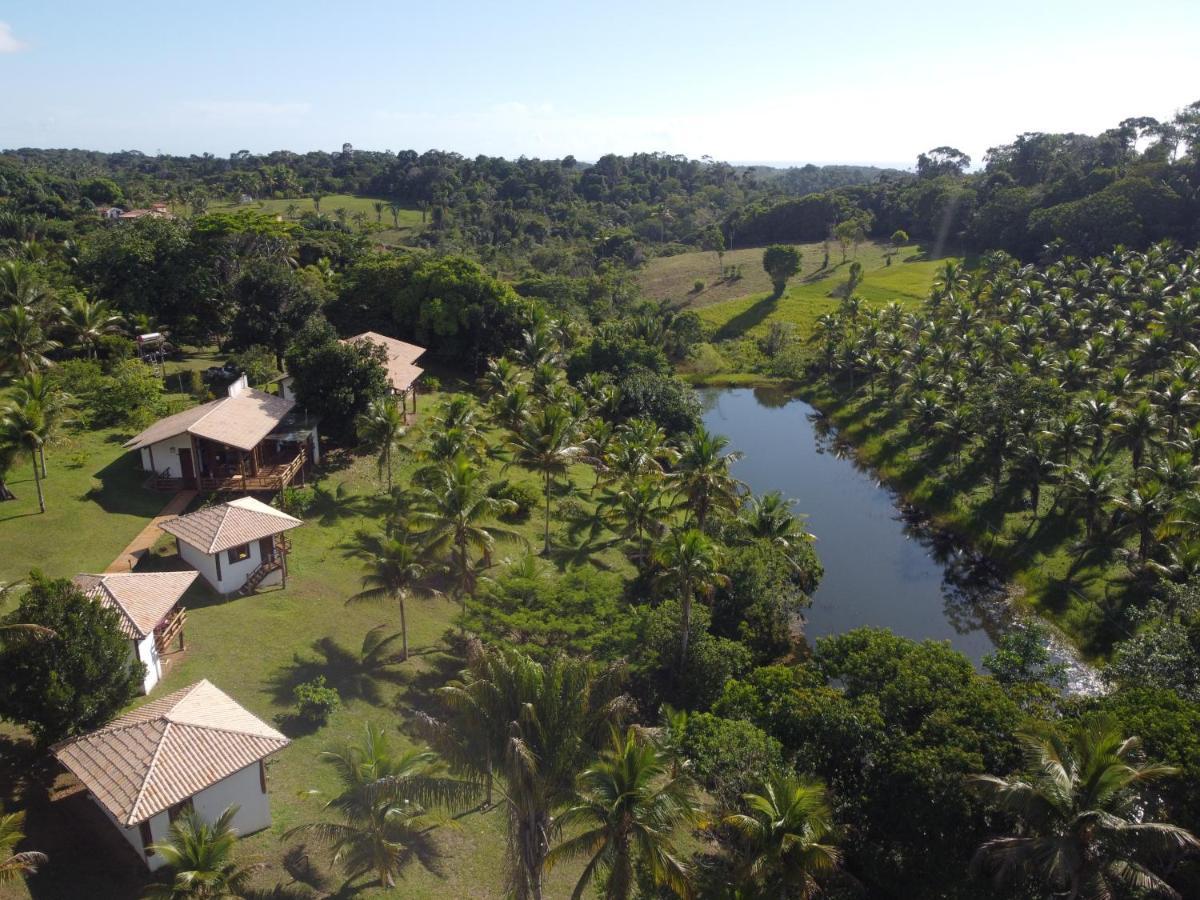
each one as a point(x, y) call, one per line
point(755, 81)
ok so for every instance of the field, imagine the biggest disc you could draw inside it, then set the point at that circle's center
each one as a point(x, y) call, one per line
point(256, 648)
point(736, 324)
point(409, 220)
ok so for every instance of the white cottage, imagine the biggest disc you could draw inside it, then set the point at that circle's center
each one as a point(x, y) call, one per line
point(148, 604)
point(236, 546)
point(195, 747)
point(247, 441)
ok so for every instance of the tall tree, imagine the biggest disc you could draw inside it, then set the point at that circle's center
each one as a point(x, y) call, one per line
point(23, 342)
point(787, 838)
point(1084, 828)
point(546, 442)
point(87, 322)
point(396, 569)
point(703, 475)
point(383, 427)
point(536, 726)
point(690, 563)
point(27, 427)
point(781, 262)
point(629, 805)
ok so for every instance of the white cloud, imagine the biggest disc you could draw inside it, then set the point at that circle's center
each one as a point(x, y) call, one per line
point(8, 41)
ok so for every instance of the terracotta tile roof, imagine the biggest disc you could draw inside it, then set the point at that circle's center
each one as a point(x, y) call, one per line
point(143, 599)
point(241, 421)
point(162, 753)
point(400, 358)
point(231, 524)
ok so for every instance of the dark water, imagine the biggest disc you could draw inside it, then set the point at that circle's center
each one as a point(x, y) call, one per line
point(879, 570)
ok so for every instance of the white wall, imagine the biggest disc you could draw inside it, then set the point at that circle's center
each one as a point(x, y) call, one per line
point(160, 831)
point(243, 789)
point(233, 575)
point(164, 460)
point(147, 651)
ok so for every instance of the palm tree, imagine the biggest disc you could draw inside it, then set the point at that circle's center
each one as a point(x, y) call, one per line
point(690, 562)
point(1083, 824)
point(15, 865)
point(89, 321)
point(26, 427)
point(382, 426)
point(23, 343)
point(395, 570)
point(382, 803)
point(1138, 429)
point(1092, 489)
point(454, 514)
point(702, 474)
point(36, 387)
point(544, 442)
point(201, 855)
point(787, 837)
point(628, 808)
point(379, 206)
point(637, 512)
point(537, 725)
point(769, 518)
point(1143, 507)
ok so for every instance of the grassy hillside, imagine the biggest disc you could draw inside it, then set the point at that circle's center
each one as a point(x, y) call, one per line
point(409, 219)
point(737, 325)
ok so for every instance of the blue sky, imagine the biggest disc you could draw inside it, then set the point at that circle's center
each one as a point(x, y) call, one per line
point(752, 81)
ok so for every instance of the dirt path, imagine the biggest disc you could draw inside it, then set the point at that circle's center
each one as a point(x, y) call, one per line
point(147, 537)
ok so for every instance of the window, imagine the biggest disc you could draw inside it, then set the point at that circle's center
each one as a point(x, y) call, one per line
point(178, 810)
point(147, 837)
point(237, 554)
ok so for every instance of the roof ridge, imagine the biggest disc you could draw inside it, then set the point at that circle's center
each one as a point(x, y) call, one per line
point(237, 731)
point(121, 607)
point(224, 514)
point(217, 403)
point(158, 749)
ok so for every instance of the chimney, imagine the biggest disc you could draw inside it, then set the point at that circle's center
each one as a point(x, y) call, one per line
point(238, 386)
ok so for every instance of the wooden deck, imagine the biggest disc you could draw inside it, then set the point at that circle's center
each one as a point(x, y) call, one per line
point(269, 478)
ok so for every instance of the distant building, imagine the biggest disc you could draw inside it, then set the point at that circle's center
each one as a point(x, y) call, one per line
point(156, 211)
point(402, 370)
point(109, 213)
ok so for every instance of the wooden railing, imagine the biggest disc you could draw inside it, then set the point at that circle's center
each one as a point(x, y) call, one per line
point(171, 630)
point(256, 577)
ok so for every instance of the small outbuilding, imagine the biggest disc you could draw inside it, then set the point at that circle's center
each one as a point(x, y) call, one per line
point(195, 747)
point(237, 546)
point(151, 615)
point(402, 370)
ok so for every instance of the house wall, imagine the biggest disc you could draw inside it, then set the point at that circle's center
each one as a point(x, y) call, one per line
point(160, 831)
point(147, 651)
point(242, 789)
point(233, 576)
point(165, 461)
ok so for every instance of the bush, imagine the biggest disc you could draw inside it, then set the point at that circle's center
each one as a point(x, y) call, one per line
point(662, 398)
point(196, 385)
point(258, 362)
point(524, 496)
point(131, 394)
point(316, 701)
point(431, 384)
point(729, 757)
point(114, 348)
point(297, 501)
point(697, 285)
point(712, 660)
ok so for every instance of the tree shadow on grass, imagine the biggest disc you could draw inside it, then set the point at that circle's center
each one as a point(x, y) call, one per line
point(747, 319)
point(119, 490)
point(353, 674)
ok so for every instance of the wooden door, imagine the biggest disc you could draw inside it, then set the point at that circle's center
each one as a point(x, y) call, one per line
point(185, 467)
point(266, 549)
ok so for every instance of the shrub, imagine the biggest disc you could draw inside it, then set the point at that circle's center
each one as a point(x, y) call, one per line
point(697, 285)
point(729, 756)
point(258, 362)
point(297, 501)
point(316, 701)
point(524, 496)
point(131, 394)
point(113, 348)
point(196, 385)
point(431, 383)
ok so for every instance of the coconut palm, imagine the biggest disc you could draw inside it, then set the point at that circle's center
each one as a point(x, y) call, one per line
point(382, 805)
point(36, 387)
point(26, 427)
point(703, 477)
point(786, 838)
point(396, 569)
point(1083, 825)
point(769, 517)
point(88, 321)
point(536, 725)
point(383, 426)
point(690, 563)
point(1090, 489)
point(200, 855)
point(1137, 429)
point(638, 512)
point(628, 808)
point(545, 442)
point(455, 515)
point(23, 342)
point(15, 865)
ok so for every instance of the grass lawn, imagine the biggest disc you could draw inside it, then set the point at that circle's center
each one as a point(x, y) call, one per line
point(406, 225)
point(256, 649)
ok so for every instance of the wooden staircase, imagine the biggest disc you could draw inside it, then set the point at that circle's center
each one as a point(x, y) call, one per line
point(257, 576)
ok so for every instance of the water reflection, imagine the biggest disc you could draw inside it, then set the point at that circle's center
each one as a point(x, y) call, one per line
point(884, 564)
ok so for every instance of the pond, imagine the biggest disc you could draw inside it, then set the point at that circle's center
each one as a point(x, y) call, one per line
point(882, 567)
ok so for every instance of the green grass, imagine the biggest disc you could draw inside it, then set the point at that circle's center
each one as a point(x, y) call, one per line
point(409, 220)
point(256, 649)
